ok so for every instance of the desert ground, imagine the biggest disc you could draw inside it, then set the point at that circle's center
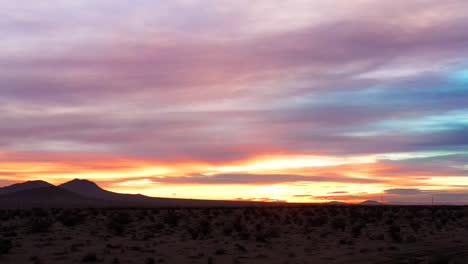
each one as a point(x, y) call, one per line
point(304, 234)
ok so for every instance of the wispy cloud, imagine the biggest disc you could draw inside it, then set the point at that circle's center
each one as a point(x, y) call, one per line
point(107, 88)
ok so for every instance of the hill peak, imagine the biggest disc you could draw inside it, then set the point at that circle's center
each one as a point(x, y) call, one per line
point(371, 202)
point(24, 186)
point(79, 182)
point(336, 203)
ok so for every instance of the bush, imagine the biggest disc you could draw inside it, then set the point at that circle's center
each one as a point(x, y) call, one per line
point(356, 231)
point(339, 224)
point(5, 246)
point(395, 234)
point(68, 219)
point(220, 251)
point(440, 259)
point(171, 219)
point(119, 222)
point(150, 261)
point(40, 225)
point(90, 257)
point(318, 221)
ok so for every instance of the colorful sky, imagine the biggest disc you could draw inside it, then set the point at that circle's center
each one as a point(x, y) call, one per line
point(297, 100)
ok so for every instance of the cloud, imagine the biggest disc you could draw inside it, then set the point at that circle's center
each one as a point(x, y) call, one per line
point(236, 178)
point(402, 191)
point(233, 81)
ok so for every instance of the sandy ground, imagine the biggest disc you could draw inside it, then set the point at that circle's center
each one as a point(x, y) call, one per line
point(317, 234)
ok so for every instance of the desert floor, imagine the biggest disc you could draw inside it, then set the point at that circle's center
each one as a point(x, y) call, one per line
point(314, 234)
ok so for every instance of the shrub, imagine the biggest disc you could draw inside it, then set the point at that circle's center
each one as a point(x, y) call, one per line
point(395, 234)
point(68, 219)
point(171, 219)
point(40, 225)
point(440, 259)
point(356, 231)
point(150, 261)
point(318, 221)
point(339, 224)
point(119, 222)
point(220, 251)
point(90, 257)
point(5, 246)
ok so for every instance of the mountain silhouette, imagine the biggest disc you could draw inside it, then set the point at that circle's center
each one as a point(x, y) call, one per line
point(51, 196)
point(24, 186)
point(84, 193)
point(90, 189)
point(336, 203)
point(371, 202)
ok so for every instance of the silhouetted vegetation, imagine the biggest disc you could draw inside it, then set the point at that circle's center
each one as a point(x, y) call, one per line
point(5, 246)
point(90, 257)
point(41, 225)
point(109, 235)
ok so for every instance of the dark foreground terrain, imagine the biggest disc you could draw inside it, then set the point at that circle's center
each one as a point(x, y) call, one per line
point(314, 234)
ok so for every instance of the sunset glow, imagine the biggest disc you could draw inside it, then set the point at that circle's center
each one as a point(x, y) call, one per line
point(298, 101)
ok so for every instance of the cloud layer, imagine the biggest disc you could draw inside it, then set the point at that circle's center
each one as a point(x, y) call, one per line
point(200, 84)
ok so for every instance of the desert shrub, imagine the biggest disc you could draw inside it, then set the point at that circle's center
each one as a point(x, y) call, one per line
point(244, 235)
point(344, 241)
point(415, 226)
point(261, 237)
point(339, 224)
point(357, 230)
point(239, 226)
point(318, 221)
point(411, 239)
point(210, 260)
point(157, 227)
point(228, 229)
point(5, 246)
point(220, 251)
point(440, 259)
point(35, 260)
point(202, 230)
point(70, 219)
point(150, 261)
point(241, 248)
point(379, 237)
point(90, 257)
point(394, 232)
point(40, 212)
point(41, 225)
point(172, 219)
point(267, 234)
point(118, 223)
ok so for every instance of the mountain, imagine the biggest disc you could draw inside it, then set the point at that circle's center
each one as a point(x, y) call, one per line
point(83, 193)
point(24, 186)
point(51, 196)
point(336, 203)
point(90, 189)
point(371, 202)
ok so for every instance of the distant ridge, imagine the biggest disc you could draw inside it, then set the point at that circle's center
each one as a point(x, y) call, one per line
point(24, 186)
point(89, 189)
point(46, 197)
point(336, 203)
point(84, 194)
point(371, 202)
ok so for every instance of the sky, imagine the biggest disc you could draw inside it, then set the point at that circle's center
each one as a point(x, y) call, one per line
point(297, 100)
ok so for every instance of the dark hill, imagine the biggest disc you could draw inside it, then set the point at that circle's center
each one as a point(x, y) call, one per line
point(24, 186)
point(371, 202)
point(90, 189)
point(84, 193)
point(46, 197)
